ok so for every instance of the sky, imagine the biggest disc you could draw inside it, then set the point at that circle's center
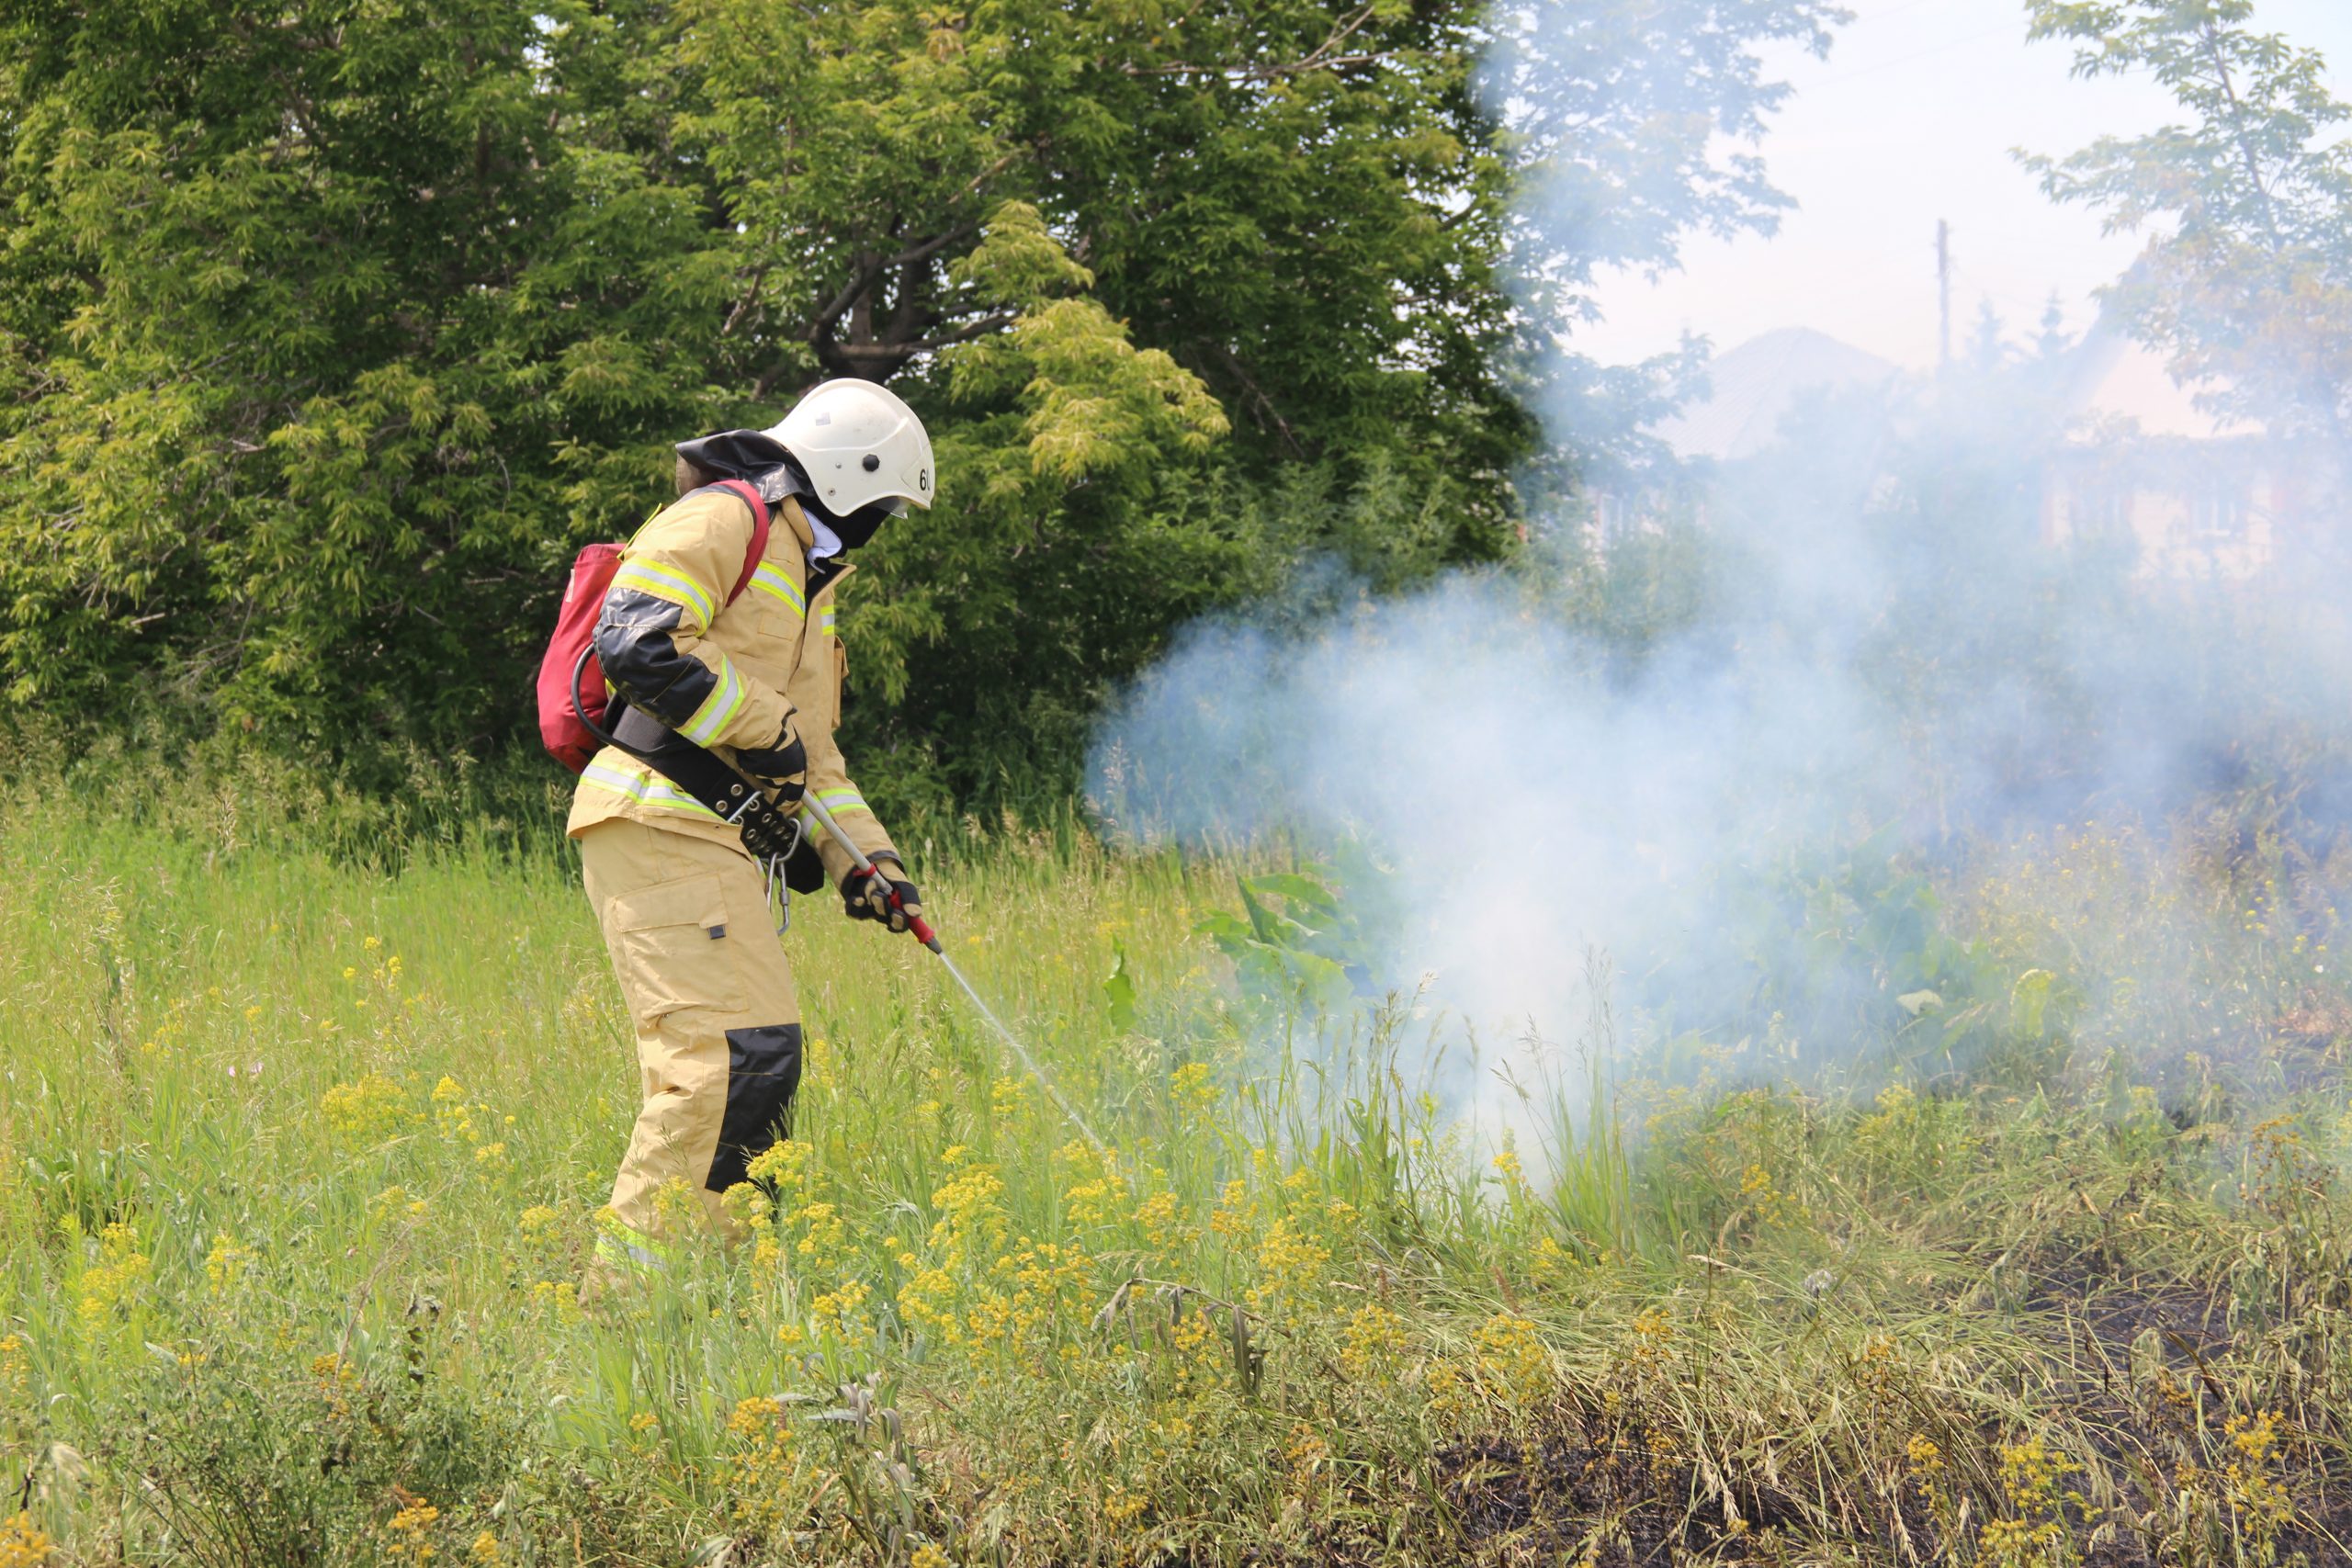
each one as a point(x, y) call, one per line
point(1912, 119)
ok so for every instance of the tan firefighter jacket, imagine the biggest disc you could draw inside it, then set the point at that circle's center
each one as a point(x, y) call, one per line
point(724, 675)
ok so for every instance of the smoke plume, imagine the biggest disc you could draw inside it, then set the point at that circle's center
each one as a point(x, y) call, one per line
point(1648, 740)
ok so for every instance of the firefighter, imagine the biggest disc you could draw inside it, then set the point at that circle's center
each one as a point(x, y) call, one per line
point(756, 679)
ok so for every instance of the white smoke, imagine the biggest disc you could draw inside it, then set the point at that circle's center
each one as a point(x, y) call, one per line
point(1886, 650)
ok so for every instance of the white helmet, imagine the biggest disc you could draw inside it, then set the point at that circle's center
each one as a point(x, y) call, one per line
point(861, 445)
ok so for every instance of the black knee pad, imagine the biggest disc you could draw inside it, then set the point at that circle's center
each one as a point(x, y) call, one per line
point(762, 1075)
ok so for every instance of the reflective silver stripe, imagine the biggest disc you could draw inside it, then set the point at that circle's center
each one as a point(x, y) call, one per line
point(839, 801)
point(667, 582)
point(772, 581)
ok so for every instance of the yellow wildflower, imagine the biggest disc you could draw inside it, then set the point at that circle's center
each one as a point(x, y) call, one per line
point(1513, 1359)
point(2037, 1531)
point(561, 1297)
point(22, 1546)
point(1234, 1218)
point(15, 1374)
point(1373, 1344)
point(761, 1469)
point(113, 1281)
point(2256, 1497)
point(822, 1230)
point(337, 1379)
point(1162, 1223)
point(745, 1204)
point(972, 1220)
point(408, 1531)
point(838, 1309)
point(226, 1264)
point(1009, 1099)
point(1290, 1264)
point(1190, 1086)
point(366, 1111)
point(928, 1301)
point(782, 1166)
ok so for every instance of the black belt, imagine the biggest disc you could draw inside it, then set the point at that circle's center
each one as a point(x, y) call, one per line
point(773, 836)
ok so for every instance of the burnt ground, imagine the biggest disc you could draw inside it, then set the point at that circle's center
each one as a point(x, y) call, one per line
point(1585, 1492)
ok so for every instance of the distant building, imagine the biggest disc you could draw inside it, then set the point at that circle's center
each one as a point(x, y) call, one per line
point(2140, 462)
point(2134, 458)
point(1751, 390)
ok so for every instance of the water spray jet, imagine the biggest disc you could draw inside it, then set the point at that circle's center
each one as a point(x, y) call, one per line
point(921, 931)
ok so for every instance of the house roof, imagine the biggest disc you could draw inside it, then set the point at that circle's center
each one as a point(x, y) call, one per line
point(1753, 387)
point(2109, 385)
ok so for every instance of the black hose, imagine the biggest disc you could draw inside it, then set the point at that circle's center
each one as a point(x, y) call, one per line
point(579, 668)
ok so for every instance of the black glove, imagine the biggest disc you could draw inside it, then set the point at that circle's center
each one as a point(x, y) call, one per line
point(866, 894)
point(781, 767)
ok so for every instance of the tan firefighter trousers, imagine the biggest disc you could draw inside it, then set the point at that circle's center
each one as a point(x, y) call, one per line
point(709, 992)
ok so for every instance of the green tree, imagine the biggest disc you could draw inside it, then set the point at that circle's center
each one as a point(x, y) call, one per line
point(330, 327)
point(2246, 277)
point(349, 318)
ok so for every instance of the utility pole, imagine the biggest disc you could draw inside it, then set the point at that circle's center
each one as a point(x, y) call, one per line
point(1943, 288)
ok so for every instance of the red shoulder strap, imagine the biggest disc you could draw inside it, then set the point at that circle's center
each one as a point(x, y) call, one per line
point(759, 550)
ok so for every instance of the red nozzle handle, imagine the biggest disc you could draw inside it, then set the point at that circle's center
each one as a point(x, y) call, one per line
point(915, 923)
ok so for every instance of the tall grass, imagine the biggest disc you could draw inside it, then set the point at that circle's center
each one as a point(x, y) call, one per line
point(301, 1159)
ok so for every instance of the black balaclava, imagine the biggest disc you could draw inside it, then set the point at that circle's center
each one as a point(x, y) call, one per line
point(859, 526)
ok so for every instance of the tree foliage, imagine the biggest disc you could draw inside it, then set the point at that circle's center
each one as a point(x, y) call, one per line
point(328, 328)
point(2246, 277)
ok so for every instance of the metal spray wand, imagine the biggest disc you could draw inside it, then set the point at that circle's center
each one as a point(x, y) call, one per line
point(921, 931)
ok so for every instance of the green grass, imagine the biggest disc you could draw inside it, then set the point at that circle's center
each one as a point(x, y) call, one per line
point(300, 1161)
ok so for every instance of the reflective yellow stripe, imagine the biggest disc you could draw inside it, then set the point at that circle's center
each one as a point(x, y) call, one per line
point(632, 1250)
point(645, 790)
point(825, 621)
point(772, 581)
point(726, 700)
point(670, 585)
